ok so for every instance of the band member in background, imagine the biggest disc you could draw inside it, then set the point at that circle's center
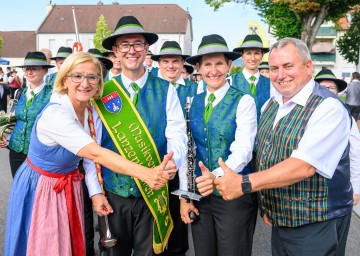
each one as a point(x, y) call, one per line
point(250, 81)
point(264, 69)
point(59, 59)
point(148, 63)
point(116, 68)
point(223, 125)
point(171, 63)
point(31, 102)
point(187, 70)
point(153, 104)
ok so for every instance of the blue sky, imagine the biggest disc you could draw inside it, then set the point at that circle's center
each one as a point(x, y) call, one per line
point(231, 21)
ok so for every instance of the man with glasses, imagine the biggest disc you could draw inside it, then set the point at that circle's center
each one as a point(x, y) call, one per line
point(156, 125)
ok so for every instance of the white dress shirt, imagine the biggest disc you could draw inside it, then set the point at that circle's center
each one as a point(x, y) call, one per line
point(36, 90)
point(355, 157)
point(246, 127)
point(247, 76)
point(327, 132)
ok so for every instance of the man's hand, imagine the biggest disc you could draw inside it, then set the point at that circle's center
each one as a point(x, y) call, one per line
point(101, 205)
point(157, 177)
point(185, 209)
point(356, 198)
point(205, 183)
point(3, 143)
point(267, 220)
point(170, 168)
point(229, 185)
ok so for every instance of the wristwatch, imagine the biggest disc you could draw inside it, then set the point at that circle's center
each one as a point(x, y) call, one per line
point(246, 184)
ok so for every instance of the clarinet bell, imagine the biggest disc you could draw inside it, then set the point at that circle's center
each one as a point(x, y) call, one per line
point(192, 215)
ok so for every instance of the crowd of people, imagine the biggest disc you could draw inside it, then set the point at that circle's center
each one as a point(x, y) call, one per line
point(107, 133)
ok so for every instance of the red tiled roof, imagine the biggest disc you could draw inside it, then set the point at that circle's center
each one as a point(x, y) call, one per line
point(17, 43)
point(157, 18)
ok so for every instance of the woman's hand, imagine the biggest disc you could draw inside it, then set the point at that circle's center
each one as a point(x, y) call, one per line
point(101, 205)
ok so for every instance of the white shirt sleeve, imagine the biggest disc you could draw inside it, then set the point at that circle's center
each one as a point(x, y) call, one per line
point(325, 138)
point(246, 127)
point(62, 129)
point(91, 177)
point(175, 131)
point(355, 157)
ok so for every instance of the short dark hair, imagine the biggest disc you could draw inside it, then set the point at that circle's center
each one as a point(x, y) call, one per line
point(356, 75)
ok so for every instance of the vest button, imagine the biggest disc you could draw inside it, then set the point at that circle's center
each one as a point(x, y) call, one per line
point(205, 139)
point(206, 149)
point(204, 129)
point(131, 189)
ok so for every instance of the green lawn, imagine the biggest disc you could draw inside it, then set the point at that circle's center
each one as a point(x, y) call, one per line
point(342, 98)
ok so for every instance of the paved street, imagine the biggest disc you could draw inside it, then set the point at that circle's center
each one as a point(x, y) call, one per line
point(262, 234)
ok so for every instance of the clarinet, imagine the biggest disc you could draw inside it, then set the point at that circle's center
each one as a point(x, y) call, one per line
point(190, 157)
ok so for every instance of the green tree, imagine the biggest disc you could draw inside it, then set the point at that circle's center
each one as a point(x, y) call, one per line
point(102, 32)
point(349, 44)
point(235, 69)
point(1, 44)
point(309, 13)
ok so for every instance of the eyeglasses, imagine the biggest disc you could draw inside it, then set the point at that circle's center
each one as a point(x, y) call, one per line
point(331, 88)
point(78, 78)
point(32, 69)
point(125, 47)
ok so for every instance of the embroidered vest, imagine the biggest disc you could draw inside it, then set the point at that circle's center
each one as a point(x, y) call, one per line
point(262, 89)
point(313, 199)
point(213, 139)
point(25, 119)
point(187, 90)
point(152, 109)
point(50, 79)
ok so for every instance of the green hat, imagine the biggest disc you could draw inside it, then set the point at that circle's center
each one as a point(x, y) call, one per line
point(63, 52)
point(252, 41)
point(212, 44)
point(33, 59)
point(169, 48)
point(264, 65)
point(327, 74)
point(97, 54)
point(128, 25)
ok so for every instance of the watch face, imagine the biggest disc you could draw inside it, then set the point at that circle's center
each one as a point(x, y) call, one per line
point(246, 187)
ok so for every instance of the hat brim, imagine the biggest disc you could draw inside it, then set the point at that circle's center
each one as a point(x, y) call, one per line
point(157, 57)
point(59, 57)
point(189, 69)
point(241, 49)
point(106, 62)
point(150, 38)
point(195, 59)
point(106, 54)
point(43, 66)
point(341, 84)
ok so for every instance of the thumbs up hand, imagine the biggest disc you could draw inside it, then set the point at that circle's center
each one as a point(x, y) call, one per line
point(229, 185)
point(205, 183)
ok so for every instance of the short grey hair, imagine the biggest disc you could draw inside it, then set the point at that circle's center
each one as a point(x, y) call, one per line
point(299, 45)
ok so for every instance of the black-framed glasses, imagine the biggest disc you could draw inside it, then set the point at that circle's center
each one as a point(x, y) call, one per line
point(34, 69)
point(125, 47)
point(78, 78)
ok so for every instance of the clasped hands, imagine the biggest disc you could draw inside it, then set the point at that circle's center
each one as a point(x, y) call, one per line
point(229, 185)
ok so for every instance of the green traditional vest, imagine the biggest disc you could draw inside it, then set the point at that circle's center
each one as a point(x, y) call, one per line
point(303, 202)
point(25, 119)
point(152, 109)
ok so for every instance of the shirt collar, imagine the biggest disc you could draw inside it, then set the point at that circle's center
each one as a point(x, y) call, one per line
point(219, 92)
point(247, 74)
point(300, 98)
point(140, 82)
point(38, 89)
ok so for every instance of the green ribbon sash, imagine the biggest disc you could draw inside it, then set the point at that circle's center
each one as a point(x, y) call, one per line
point(134, 142)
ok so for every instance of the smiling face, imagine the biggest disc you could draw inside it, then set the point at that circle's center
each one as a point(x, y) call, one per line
point(289, 73)
point(213, 68)
point(171, 67)
point(252, 58)
point(116, 63)
point(131, 61)
point(81, 92)
point(35, 75)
